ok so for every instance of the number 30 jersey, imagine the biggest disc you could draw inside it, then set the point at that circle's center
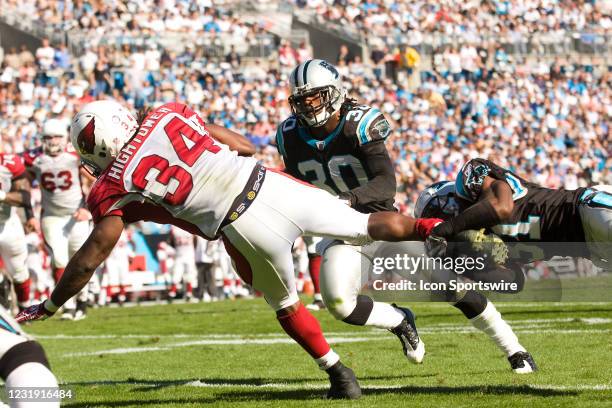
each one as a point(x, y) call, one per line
point(539, 214)
point(172, 172)
point(351, 162)
point(59, 180)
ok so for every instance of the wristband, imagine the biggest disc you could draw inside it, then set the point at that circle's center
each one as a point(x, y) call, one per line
point(50, 306)
point(2, 195)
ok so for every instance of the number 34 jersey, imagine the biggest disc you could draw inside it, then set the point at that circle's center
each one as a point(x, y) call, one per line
point(172, 172)
point(539, 213)
point(346, 161)
point(59, 180)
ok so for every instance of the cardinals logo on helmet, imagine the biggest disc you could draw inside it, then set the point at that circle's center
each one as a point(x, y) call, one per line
point(87, 138)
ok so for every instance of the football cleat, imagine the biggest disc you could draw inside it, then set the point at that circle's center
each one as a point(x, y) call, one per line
point(316, 306)
point(67, 315)
point(343, 382)
point(522, 363)
point(79, 315)
point(406, 331)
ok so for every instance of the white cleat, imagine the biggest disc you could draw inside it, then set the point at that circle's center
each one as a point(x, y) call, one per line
point(406, 331)
point(522, 363)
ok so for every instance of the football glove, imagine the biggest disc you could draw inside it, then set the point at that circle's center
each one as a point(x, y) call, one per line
point(34, 312)
point(479, 243)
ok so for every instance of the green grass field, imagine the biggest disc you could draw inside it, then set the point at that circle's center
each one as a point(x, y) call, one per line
point(234, 353)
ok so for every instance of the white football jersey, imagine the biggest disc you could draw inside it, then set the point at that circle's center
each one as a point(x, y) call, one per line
point(172, 172)
point(183, 243)
point(59, 180)
point(11, 167)
point(122, 250)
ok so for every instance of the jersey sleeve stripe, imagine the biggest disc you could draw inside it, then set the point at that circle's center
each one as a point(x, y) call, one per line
point(280, 141)
point(364, 123)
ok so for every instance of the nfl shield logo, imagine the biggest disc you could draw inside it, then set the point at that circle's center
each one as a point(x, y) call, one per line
point(321, 145)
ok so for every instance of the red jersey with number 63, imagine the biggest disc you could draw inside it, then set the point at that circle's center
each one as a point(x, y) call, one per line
point(59, 180)
point(172, 172)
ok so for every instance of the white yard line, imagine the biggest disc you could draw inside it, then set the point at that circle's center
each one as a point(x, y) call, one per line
point(434, 328)
point(240, 340)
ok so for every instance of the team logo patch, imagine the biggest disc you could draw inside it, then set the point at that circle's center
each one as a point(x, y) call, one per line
point(382, 128)
point(251, 195)
point(87, 137)
point(233, 216)
point(320, 144)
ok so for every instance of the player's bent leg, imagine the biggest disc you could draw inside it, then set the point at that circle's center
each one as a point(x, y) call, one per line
point(261, 252)
point(22, 362)
point(484, 316)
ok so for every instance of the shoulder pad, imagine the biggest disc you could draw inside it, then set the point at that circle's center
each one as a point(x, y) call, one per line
point(367, 124)
point(286, 126)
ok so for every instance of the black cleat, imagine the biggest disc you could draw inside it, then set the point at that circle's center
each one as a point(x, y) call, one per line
point(344, 385)
point(522, 363)
point(412, 345)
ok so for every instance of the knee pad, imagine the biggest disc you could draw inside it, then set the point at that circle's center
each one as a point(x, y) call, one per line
point(472, 304)
point(25, 352)
point(360, 314)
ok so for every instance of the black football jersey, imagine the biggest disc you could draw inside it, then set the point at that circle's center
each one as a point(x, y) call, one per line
point(351, 162)
point(539, 215)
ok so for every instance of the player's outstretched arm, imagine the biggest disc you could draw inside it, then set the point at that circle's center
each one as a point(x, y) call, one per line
point(494, 205)
point(393, 227)
point(234, 140)
point(80, 268)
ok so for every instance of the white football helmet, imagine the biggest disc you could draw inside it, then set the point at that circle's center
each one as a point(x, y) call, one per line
point(99, 131)
point(54, 135)
point(315, 78)
point(438, 200)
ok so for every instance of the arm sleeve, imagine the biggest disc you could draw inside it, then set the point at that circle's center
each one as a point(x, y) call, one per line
point(382, 185)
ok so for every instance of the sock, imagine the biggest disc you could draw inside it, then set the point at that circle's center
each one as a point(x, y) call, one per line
point(189, 288)
point(122, 290)
point(302, 327)
point(318, 297)
point(23, 291)
point(491, 322)
point(32, 375)
point(102, 297)
point(314, 266)
point(57, 274)
point(472, 304)
point(385, 316)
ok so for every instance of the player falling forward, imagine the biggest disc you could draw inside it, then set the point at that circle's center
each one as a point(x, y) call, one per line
point(169, 169)
point(485, 195)
point(65, 222)
point(338, 145)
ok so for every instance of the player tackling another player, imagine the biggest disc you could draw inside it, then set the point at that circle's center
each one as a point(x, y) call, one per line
point(338, 145)
point(171, 168)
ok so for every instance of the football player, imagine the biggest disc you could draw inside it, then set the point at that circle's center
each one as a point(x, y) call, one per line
point(23, 363)
point(65, 222)
point(15, 191)
point(485, 195)
point(184, 269)
point(338, 145)
point(170, 167)
point(116, 271)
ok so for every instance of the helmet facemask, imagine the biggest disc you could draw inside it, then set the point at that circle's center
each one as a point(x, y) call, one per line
point(318, 115)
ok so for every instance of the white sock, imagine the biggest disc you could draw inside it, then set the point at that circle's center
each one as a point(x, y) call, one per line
point(318, 297)
point(385, 316)
point(31, 375)
point(327, 360)
point(491, 322)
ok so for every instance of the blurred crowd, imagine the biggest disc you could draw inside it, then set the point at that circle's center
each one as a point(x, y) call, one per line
point(470, 21)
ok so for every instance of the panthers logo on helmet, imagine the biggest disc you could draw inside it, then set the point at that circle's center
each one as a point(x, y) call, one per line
point(87, 137)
